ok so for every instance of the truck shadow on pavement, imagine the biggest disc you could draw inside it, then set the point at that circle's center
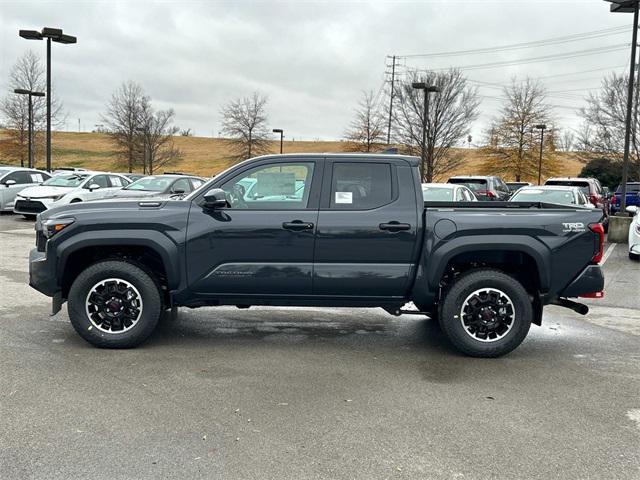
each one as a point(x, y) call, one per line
point(289, 327)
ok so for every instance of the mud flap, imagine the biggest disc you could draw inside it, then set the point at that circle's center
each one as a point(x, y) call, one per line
point(56, 303)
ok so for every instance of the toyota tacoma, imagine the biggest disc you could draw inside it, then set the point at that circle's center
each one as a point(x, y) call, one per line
point(335, 230)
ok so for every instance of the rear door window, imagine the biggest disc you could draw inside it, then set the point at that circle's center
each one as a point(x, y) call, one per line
point(360, 185)
point(117, 181)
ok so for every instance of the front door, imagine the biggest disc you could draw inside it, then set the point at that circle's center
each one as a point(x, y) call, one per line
point(367, 229)
point(262, 244)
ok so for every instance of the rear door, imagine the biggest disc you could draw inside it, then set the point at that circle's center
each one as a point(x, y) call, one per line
point(367, 229)
point(262, 244)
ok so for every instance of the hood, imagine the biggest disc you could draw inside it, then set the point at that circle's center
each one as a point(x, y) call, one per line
point(44, 191)
point(122, 193)
point(97, 208)
point(133, 194)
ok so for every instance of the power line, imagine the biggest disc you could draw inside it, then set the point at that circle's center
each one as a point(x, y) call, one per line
point(517, 46)
point(544, 58)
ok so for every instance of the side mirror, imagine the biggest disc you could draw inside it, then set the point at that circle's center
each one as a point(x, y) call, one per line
point(178, 191)
point(215, 198)
point(93, 186)
point(632, 209)
point(8, 183)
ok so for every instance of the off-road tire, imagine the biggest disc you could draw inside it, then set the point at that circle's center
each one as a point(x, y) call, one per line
point(451, 307)
point(115, 269)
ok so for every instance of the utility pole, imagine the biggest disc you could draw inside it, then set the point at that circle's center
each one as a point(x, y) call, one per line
point(393, 84)
point(540, 127)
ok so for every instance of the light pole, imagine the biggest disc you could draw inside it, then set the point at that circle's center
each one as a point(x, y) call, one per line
point(281, 132)
point(22, 91)
point(55, 35)
point(425, 116)
point(627, 6)
point(541, 127)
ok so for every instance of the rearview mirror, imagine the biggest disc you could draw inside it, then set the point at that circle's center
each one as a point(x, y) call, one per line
point(215, 198)
point(632, 209)
point(8, 183)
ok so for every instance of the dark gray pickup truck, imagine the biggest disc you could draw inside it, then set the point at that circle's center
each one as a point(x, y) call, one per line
point(318, 230)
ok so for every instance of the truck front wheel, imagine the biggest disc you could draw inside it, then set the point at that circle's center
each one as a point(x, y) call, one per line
point(486, 313)
point(114, 304)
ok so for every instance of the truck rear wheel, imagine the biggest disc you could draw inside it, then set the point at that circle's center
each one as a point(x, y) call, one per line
point(486, 313)
point(114, 304)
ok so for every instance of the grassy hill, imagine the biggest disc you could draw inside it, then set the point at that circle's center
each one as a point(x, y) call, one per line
point(208, 156)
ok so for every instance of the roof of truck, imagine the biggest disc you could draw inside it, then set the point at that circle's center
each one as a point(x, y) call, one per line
point(414, 161)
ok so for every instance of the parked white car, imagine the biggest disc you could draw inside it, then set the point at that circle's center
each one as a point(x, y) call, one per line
point(67, 188)
point(634, 233)
point(556, 194)
point(15, 179)
point(447, 192)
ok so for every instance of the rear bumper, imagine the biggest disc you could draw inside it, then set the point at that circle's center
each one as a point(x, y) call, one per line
point(589, 281)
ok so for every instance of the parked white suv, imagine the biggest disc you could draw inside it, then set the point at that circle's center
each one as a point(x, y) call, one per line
point(66, 188)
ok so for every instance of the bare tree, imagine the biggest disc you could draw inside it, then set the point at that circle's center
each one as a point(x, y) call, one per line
point(156, 135)
point(514, 142)
point(450, 116)
point(124, 119)
point(605, 120)
point(368, 126)
point(244, 121)
point(27, 73)
point(186, 132)
point(566, 140)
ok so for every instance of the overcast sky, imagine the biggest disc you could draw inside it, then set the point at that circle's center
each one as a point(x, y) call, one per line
point(311, 58)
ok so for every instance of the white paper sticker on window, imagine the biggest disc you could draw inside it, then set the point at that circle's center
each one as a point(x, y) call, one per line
point(344, 197)
point(36, 177)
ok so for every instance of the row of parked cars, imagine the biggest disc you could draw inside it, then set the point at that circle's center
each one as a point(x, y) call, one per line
point(582, 192)
point(28, 191)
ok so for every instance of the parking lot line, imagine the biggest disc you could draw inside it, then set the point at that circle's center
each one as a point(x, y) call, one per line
point(608, 252)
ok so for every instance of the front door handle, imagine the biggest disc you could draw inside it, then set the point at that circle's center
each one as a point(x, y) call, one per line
point(297, 225)
point(395, 226)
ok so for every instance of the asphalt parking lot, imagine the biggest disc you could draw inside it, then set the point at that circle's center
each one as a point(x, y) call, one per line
point(316, 393)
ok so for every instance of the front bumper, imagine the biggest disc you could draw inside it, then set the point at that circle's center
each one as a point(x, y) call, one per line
point(31, 207)
point(41, 274)
point(589, 281)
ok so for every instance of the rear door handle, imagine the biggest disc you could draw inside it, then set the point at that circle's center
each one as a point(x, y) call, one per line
point(394, 226)
point(297, 225)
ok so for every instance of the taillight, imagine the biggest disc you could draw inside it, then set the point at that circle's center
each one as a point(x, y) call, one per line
point(599, 229)
point(487, 193)
point(599, 294)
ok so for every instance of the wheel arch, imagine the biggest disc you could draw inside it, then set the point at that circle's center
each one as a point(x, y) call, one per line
point(155, 253)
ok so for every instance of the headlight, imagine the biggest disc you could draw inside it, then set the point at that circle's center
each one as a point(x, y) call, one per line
point(52, 226)
point(638, 228)
point(56, 197)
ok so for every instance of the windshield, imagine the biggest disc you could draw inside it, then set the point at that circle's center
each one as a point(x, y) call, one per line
point(150, 184)
point(3, 171)
point(68, 180)
point(437, 194)
point(583, 186)
point(562, 197)
point(631, 187)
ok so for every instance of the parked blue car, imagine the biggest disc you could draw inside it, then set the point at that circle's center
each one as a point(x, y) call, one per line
point(633, 196)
